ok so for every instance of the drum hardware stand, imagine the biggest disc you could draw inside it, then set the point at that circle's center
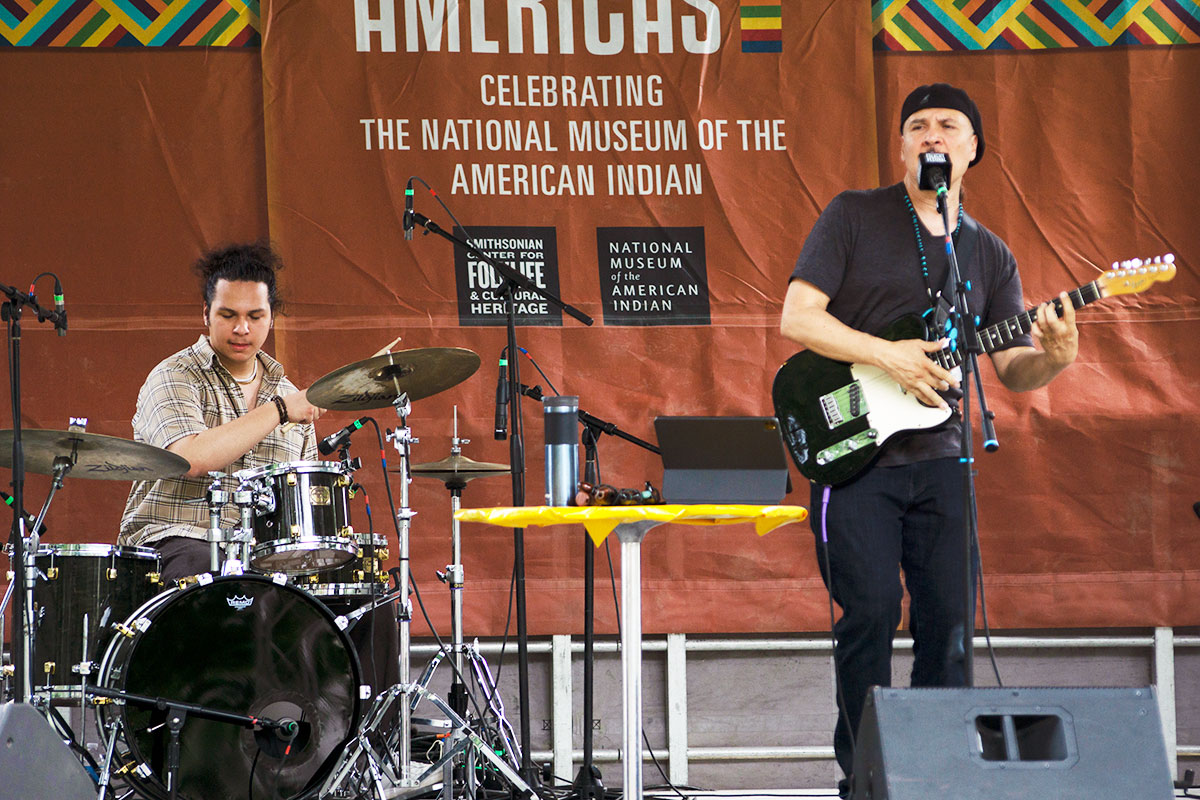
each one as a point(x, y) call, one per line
point(217, 498)
point(376, 763)
point(250, 497)
point(114, 729)
point(402, 439)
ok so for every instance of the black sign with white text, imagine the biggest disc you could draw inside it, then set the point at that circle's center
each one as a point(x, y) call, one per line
point(653, 276)
point(531, 251)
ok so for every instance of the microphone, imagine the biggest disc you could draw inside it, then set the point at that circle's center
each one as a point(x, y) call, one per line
point(408, 210)
point(29, 518)
point(336, 440)
point(933, 172)
point(61, 323)
point(502, 400)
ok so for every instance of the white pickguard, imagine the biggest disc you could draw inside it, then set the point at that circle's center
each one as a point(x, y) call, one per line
point(890, 409)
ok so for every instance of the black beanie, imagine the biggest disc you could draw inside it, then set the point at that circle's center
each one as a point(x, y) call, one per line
point(943, 95)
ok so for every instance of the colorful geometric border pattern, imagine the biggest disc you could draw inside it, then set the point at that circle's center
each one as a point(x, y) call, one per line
point(762, 26)
point(940, 25)
point(129, 23)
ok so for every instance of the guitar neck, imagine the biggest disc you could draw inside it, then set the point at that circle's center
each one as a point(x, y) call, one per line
point(994, 337)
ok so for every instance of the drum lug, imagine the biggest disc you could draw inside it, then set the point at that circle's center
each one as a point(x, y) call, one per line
point(291, 479)
point(125, 630)
point(8, 671)
point(382, 554)
point(346, 532)
point(295, 531)
point(48, 667)
point(343, 480)
point(154, 577)
point(83, 668)
point(51, 573)
point(112, 573)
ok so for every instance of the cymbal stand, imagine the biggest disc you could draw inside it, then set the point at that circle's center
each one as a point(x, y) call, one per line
point(402, 439)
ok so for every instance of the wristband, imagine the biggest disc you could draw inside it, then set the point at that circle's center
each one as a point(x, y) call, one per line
point(281, 407)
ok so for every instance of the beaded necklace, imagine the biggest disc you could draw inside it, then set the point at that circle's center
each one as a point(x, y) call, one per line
point(916, 223)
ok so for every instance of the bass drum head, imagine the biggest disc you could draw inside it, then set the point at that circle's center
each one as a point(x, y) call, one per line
point(245, 645)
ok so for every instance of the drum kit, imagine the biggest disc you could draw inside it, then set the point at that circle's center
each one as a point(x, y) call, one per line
point(245, 679)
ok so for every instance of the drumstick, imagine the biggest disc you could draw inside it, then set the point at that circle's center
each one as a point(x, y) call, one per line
point(387, 348)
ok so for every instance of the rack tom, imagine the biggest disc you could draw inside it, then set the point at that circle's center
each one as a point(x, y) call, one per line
point(304, 525)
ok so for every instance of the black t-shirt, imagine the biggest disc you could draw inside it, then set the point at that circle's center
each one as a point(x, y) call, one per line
point(862, 252)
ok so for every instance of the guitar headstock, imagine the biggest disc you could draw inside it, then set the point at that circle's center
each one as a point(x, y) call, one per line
point(1136, 275)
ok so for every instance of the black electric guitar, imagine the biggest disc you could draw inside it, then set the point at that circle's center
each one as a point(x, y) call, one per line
point(837, 416)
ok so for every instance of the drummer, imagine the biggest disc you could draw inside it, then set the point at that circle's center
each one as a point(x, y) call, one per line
point(222, 404)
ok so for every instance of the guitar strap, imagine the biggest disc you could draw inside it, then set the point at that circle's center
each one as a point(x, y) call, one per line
point(964, 249)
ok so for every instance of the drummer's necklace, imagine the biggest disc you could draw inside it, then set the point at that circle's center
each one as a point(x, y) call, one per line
point(247, 381)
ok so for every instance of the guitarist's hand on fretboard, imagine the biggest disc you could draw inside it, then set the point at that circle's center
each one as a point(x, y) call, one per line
point(1057, 335)
point(907, 362)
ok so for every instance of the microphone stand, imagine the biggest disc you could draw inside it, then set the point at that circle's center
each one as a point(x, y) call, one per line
point(513, 280)
point(23, 575)
point(971, 348)
point(587, 780)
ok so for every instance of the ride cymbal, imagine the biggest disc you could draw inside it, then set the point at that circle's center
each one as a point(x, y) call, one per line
point(92, 455)
point(377, 381)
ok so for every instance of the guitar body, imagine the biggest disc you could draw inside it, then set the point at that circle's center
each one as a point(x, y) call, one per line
point(836, 416)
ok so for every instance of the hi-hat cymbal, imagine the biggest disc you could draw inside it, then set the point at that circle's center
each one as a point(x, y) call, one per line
point(93, 456)
point(457, 468)
point(377, 381)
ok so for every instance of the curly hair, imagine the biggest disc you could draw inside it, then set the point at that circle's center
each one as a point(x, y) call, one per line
point(255, 262)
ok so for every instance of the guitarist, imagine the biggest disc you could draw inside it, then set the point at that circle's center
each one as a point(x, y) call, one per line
point(871, 257)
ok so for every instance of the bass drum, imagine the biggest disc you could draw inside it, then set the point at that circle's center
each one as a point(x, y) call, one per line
point(241, 644)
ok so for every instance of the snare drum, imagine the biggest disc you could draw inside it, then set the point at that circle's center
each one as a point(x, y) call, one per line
point(81, 591)
point(247, 645)
point(358, 580)
point(305, 529)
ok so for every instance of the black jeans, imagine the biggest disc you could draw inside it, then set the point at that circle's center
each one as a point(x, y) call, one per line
point(908, 517)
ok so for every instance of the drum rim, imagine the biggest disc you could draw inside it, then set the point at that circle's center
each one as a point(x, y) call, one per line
point(93, 549)
point(313, 589)
point(284, 467)
point(277, 547)
point(104, 711)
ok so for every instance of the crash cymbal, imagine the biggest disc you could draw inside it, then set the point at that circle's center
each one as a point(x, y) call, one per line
point(379, 380)
point(457, 468)
point(93, 456)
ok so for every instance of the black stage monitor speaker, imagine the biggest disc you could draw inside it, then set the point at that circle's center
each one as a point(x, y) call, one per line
point(35, 764)
point(1011, 744)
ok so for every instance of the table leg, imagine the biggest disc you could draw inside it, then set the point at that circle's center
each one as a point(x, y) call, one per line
point(631, 535)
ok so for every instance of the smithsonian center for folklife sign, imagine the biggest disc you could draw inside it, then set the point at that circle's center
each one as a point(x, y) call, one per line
point(635, 157)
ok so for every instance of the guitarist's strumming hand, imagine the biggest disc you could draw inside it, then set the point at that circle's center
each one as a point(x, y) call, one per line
point(1056, 335)
point(908, 362)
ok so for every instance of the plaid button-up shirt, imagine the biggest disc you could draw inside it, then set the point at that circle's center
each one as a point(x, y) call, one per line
point(187, 393)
